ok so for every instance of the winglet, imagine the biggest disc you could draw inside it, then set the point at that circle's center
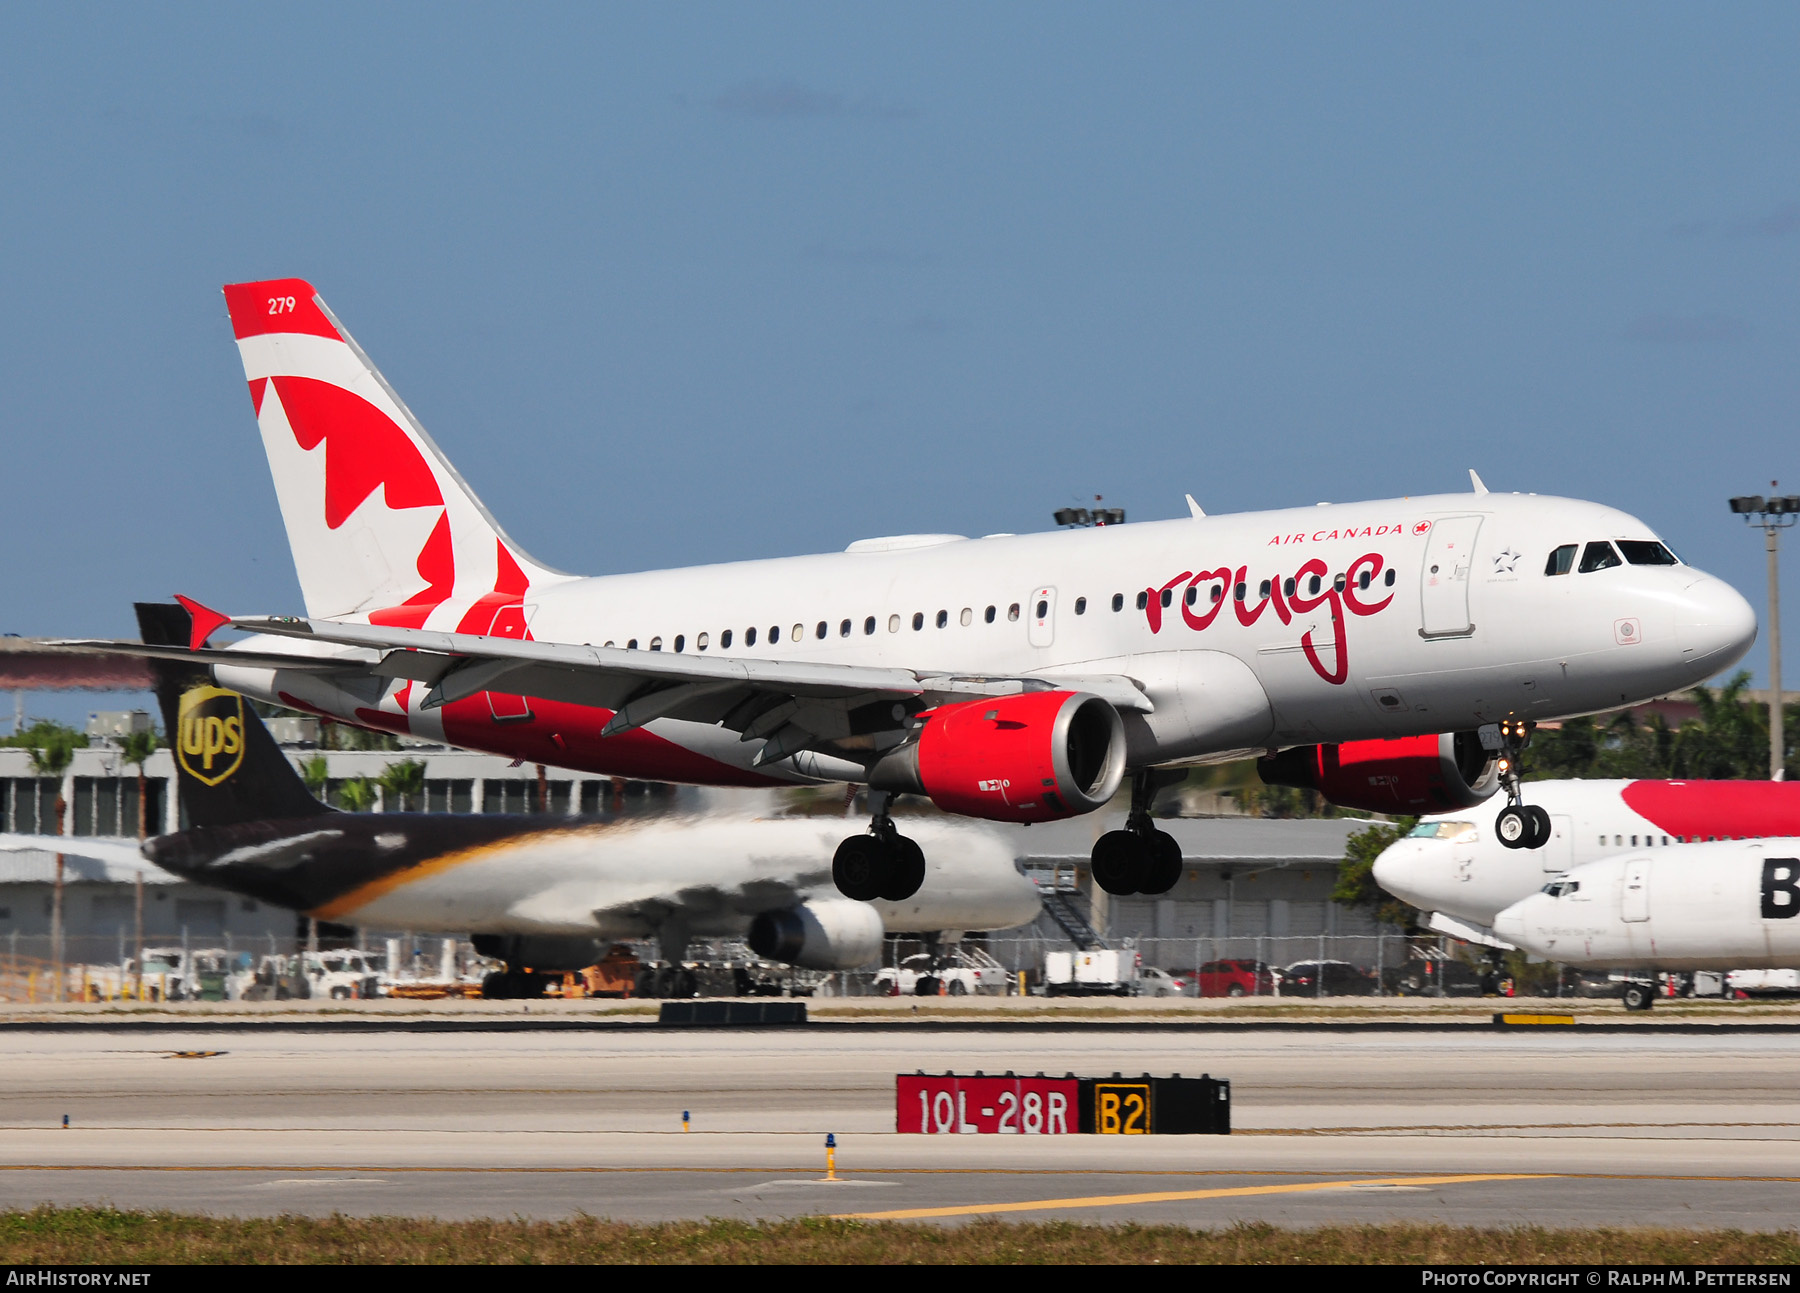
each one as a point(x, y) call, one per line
point(1194, 508)
point(1476, 482)
point(205, 622)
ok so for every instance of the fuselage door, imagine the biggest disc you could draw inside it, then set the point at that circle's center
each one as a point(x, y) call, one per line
point(1559, 853)
point(1444, 581)
point(1634, 897)
point(1040, 615)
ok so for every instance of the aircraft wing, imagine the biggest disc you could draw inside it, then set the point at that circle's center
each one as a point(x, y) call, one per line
point(111, 852)
point(791, 705)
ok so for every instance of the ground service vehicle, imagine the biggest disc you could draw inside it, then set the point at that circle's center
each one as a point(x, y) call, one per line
point(1101, 972)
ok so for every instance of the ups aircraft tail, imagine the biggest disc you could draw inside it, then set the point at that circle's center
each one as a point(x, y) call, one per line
point(227, 767)
point(382, 527)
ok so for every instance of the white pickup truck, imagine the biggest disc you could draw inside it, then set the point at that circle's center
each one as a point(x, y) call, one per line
point(959, 974)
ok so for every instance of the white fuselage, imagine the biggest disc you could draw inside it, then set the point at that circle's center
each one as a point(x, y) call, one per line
point(1470, 630)
point(1720, 906)
point(1454, 863)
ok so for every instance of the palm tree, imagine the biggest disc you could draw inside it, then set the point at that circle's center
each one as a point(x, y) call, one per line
point(357, 794)
point(51, 758)
point(402, 786)
point(316, 773)
point(135, 749)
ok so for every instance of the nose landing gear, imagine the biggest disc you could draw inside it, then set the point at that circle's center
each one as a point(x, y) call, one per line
point(1519, 825)
point(1140, 858)
point(880, 864)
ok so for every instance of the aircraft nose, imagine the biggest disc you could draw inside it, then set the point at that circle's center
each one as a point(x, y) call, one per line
point(1510, 923)
point(1401, 869)
point(1714, 625)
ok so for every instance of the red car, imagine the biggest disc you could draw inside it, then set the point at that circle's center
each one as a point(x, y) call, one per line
point(1236, 979)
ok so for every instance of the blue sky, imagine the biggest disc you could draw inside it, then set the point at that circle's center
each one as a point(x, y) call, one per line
point(684, 283)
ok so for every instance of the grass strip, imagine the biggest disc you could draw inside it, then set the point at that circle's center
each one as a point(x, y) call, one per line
point(69, 1236)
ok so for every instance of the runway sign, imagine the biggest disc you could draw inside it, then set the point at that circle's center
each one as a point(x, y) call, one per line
point(980, 1105)
point(973, 1105)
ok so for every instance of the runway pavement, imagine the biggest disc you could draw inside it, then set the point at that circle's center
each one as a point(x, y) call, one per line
point(1560, 1127)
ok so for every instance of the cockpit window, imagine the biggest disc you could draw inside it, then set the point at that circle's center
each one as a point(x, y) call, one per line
point(1562, 888)
point(1442, 831)
point(1646, 552)
point(1598, 556)
point(1562, 560)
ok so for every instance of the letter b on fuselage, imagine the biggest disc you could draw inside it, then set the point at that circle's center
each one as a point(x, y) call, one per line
point(1780, 888)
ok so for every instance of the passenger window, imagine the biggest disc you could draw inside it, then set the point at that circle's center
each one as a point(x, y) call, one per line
point(1081, 606)
point(1362, 580)
point(1287, 586)
point(1191, 596)
point(750, 638)
point(1239, 592)
point(893, 624)
point(1143, 600)
point(1562, 560)
point(725, 639)
point(1118, 602)
point(868, 626)
point(990, 615)
point(774, 634)
point(607, 643)
point(1167, 596)
point(680, 641)
point(844, 629)
point(1012, 612)
point(1312, 586)
point(1389, 579)
point(800, 632)
point(943, 618)
point(1043, 607)
point(1263, 591)
point(700, 643)
point(1646, 552)
point(1338, 583)
point(631, 645)
point(656, 644)
point(1598, 556)
point(968, 617)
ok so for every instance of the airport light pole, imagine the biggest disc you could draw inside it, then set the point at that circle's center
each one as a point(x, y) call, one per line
point(1772, 515)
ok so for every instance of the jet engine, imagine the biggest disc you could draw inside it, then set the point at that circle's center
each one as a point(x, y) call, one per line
point(1411, 774)
point(825, 934)
point(1033, 757)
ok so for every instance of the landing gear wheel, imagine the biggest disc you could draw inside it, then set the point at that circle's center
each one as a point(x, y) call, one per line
point(862, 867)
point(1118, 862)
point(1638, 996)
point(906, 871)
point(1162, 863)
point(1514, 826)
point(1540, 820)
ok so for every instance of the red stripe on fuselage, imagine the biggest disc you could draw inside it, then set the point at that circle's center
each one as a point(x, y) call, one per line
point(1725, 809)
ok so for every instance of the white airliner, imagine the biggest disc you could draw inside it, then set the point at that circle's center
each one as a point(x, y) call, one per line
point(1728, 905)
point(1013, 677)
point(1455, 866)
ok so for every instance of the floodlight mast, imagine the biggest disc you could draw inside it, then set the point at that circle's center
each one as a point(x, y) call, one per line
point(1772, 515)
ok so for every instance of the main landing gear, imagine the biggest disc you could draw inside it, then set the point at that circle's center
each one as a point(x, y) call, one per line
point(1140, 858)
point(1519, 825)
point(881, 864)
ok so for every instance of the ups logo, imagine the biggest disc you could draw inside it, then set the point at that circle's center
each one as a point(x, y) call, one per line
point(210, 744)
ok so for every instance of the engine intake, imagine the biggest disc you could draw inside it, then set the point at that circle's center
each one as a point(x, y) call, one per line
point(829, 934)
point(1033, 757)
point(1410, 774)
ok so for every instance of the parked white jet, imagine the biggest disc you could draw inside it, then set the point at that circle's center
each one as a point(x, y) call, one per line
point(1454, 866)
point(1728, 905)
point(1013, 678)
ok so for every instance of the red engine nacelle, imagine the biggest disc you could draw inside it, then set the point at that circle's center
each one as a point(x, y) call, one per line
point(1411, 774)
point(1034, 757)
